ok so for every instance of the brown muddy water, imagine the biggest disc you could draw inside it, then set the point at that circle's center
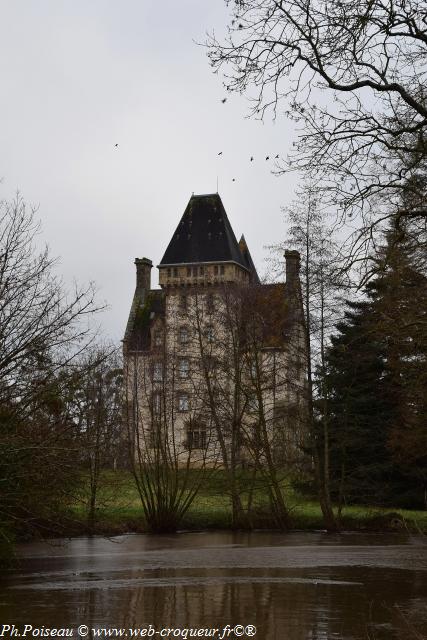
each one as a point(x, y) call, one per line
point(294, 586)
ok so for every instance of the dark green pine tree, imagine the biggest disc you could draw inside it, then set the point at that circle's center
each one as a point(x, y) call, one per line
point(376, 384)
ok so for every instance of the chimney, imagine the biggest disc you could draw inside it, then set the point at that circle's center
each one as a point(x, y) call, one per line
point(292, 259)
point(143, 273)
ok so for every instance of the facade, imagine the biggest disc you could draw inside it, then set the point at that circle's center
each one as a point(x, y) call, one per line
point(215, 361)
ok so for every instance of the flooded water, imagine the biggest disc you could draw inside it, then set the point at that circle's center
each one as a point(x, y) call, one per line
point(297, 586)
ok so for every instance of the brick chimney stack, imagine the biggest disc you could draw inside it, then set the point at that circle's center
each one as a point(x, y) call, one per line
point(292, 259)
point(143, 273)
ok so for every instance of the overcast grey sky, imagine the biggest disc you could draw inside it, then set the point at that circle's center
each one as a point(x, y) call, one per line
point(77, 77)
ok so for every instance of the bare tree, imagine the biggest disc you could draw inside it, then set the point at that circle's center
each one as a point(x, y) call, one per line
point(169, 431)
point(323, 281)
point(38, 318)
point(42, 331)
point(216, 321)
point(248, 373)
point(98, 400)
point(353, 77)
point(273, 387)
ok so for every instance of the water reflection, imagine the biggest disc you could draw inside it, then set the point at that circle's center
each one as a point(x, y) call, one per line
point(293, 587)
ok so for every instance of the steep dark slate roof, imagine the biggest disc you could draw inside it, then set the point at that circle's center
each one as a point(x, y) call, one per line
point(248, 260)
point(204, 234)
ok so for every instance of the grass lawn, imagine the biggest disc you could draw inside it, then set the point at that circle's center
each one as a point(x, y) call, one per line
point(119, 510)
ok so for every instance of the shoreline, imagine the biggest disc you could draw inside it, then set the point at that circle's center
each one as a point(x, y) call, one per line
point(387, 524)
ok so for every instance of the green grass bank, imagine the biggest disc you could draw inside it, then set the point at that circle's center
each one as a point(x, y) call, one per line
point(119, 510)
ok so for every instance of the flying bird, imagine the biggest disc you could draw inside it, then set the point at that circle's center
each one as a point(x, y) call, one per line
point(233, 180)
point(220, 153)
point(277, 156)
point(267, 158)
point(117, 144)
point(224, 100)
point(252, 158)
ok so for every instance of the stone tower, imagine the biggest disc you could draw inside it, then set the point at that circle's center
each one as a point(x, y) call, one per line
point(173, 332)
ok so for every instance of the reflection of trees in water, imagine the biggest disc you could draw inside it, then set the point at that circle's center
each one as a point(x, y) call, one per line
point(308, 610)
point(279, 610)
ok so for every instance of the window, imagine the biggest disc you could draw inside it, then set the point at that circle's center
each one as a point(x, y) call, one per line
point(183, 303)
point(183, 368)
point(154, 436)
point(210, 303)
point(222, 270)
point(194, 272)
point(209, 333)
point(254, 369)
point(157, 404)
point(183, 335)
point(183, 402)
point(151, 438)
point(280, 412)
point(169, 272)
point(196, 436)
point(158, 338)
point(158, 372)
point(188, 271)
point(175, 272)
point(252, 403)
point(202, 271)
point(210, 363)
point(216, 269)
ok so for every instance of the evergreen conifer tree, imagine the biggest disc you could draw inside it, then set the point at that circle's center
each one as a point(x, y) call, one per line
point(376, 382)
